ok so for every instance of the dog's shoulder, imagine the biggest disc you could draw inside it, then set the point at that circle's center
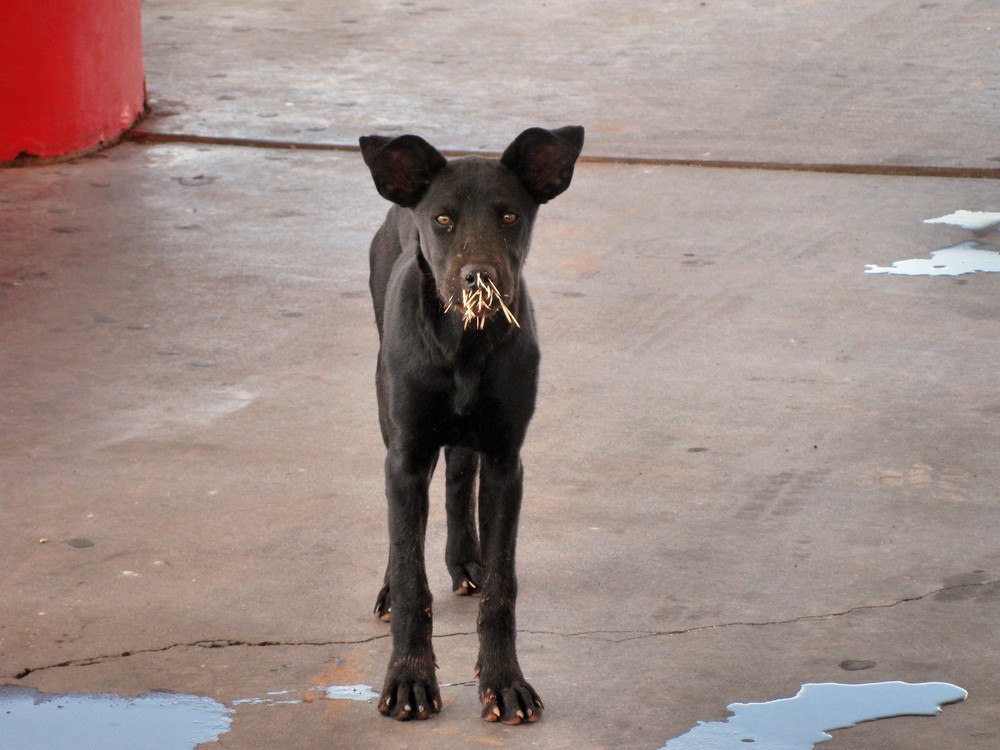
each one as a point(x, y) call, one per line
point(398, 230)
point(393, 243)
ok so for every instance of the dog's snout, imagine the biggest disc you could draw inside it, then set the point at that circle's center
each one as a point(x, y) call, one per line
point(471, 274)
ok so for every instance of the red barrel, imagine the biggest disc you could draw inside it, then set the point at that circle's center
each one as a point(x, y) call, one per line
point(71, 75)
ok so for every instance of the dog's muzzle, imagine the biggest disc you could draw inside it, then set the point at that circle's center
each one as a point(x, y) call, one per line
point(480, 299)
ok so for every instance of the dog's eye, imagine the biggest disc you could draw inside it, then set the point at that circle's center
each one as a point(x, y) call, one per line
point(509, 218)
point(444, 220)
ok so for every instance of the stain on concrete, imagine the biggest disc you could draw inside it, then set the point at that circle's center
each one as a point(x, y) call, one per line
point(856, 665)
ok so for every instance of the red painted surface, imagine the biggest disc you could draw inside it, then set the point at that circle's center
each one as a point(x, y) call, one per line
point(71, 74)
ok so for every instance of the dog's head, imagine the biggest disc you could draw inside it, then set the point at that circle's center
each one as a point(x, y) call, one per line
point(474, 215)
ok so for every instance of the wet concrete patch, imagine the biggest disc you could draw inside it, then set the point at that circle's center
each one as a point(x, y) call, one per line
point(273, 698)
point(157, 721)
point(802, 722)
point(329, 692)
point(350, 692)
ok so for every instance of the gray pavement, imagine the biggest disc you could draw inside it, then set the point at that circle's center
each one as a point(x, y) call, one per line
point(751, 463)
point(799, 81)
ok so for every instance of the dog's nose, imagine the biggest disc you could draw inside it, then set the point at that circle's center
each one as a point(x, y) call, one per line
point(472, 272)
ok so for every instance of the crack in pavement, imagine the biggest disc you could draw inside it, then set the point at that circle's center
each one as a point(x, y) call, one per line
point(621, 636)
point(607, 636)
point(206, 643)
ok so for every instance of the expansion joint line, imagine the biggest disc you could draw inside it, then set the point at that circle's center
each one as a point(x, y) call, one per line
point(884, 170)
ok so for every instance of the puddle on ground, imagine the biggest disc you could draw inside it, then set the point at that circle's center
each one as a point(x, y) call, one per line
point(30, 720)
point(157, 721)
point(967, 257)
point(974, 221)
point(802, 722)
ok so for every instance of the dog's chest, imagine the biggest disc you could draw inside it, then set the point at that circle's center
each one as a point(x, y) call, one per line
point(465, 410)
point(466, 392)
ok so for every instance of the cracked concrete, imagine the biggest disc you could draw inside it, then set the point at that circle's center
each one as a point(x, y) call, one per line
point(606, 636)
point(751, 463)
point(210, 643)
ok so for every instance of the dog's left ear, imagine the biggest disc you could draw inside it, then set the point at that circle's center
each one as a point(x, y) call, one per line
point(401, 167)
point(543, 160)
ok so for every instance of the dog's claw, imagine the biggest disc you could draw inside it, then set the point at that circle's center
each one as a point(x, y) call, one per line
point(411, 691)
point(383, 604)
point(491, 713)
point(465, 578)
point(467, 588)
point(516, 704)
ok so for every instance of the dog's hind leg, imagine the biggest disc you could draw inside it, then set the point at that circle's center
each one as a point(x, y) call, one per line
point(383, 603)
point(462, 554)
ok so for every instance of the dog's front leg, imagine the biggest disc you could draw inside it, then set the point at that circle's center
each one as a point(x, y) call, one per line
point(505, 694)
point(411, 689)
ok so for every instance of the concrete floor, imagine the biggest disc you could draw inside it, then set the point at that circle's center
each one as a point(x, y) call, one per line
point(751, 462)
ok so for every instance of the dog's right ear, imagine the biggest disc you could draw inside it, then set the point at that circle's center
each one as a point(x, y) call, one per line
point(401, 167)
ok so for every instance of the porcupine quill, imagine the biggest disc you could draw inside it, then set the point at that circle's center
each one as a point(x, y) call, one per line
point(478, 302)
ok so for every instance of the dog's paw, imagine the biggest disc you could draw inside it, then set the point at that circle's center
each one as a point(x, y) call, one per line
point(383, 605)
point(410, 694)
point(511, 701)
point(466, 578)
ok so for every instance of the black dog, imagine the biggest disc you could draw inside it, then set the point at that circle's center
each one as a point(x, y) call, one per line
point(457, 369)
